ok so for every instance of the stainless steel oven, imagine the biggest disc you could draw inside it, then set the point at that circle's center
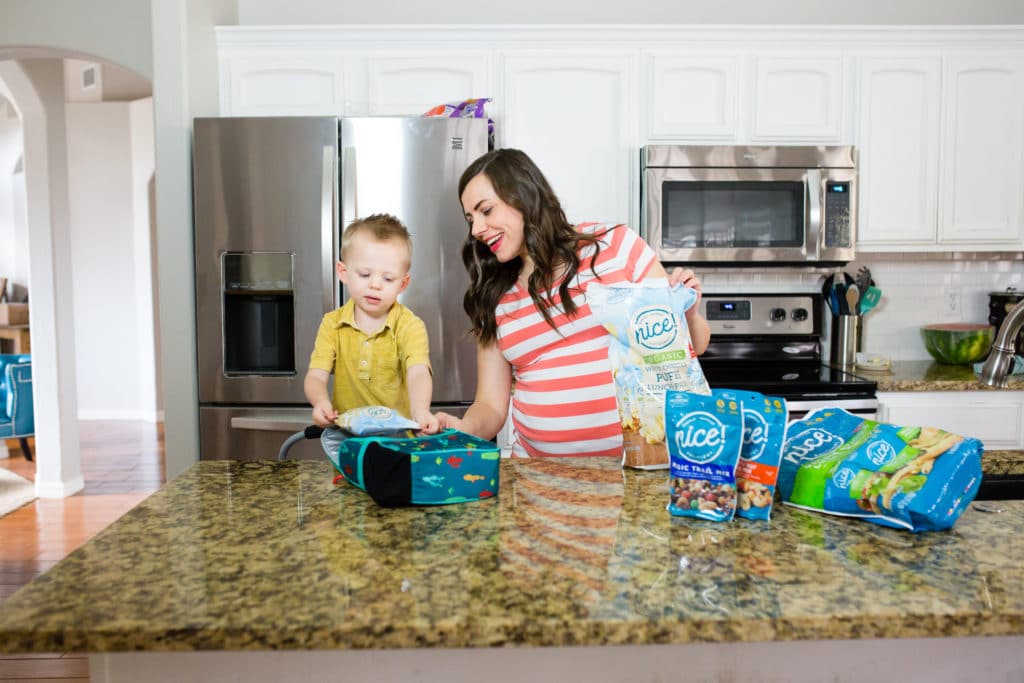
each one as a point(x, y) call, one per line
point(732, 205)
point(771, 343)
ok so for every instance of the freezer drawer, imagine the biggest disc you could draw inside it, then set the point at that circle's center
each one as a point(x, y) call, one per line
point(247, 433)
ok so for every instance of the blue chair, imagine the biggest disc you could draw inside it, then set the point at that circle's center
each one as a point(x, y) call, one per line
point(17, 417)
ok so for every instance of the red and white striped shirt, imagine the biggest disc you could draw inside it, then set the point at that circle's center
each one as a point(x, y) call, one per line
point(564, 399)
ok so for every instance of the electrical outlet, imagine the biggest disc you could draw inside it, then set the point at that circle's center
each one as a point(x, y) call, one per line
point(951, 301)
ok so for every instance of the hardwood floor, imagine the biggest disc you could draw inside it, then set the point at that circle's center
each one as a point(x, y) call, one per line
point(122, 463)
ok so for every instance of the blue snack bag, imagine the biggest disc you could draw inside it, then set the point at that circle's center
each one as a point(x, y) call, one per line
point(704, 435)
point(764, 431)
point(915, 478)
point(371, 420)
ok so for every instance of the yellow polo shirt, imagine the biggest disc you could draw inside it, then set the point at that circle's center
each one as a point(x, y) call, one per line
point(369, 370)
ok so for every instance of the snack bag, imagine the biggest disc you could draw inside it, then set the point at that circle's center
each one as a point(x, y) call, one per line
point(650, 353)
point(371, 420)
point(764, 430)
point(466, 109)
point(916, 478)
point(704, 436)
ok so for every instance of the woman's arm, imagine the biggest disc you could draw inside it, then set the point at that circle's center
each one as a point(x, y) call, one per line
point(486, 416)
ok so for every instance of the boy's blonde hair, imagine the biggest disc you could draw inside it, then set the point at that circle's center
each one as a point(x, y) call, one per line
point(381, 227)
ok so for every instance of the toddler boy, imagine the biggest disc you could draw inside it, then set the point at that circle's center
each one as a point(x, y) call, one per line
point(376, 347)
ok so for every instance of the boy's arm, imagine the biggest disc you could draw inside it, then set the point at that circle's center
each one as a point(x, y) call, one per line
point(421, 390)
point(315, 386)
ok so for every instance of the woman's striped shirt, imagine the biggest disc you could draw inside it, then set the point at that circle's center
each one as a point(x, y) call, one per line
point(564, 398)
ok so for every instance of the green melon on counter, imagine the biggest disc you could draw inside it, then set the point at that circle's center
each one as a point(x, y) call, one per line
point(957, 343)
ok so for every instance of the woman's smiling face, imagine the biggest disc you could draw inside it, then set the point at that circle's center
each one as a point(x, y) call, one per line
point(492, 221)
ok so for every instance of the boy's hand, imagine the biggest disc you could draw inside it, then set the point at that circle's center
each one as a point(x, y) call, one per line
point(324, 415)
point(446, 421)
point(429, 424)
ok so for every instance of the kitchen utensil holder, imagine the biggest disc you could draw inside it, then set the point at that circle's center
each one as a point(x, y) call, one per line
point(845, 340)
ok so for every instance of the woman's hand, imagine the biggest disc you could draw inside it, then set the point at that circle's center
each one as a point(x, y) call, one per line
point(687, 278)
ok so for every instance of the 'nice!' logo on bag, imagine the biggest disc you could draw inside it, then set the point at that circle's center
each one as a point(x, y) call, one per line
point(700, 437)
point(755, 434)
point(809, 444)
point(654, 327)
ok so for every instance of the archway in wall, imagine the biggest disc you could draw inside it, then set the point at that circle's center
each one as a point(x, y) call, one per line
point(80, 243)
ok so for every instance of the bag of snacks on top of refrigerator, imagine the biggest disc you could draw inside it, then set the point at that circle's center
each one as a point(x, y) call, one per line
point(650, 352)
point(915, 478)
point(472, 108)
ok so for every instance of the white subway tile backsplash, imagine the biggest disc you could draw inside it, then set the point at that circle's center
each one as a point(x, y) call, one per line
point(912, 294)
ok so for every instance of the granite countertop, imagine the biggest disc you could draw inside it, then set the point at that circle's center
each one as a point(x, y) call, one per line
point(926, 375)
point(272, 555)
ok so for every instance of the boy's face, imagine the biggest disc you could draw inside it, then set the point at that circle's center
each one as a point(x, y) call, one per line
point(375, 273)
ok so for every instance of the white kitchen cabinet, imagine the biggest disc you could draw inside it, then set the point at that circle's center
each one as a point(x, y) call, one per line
point(739, 98)
point(797, 98)
point(994, 417)
point(693, 96)
point(981, 188)
point(941, 152)
point(306, 84)
point(898, 147)
point(411, 84)
point(574, 114)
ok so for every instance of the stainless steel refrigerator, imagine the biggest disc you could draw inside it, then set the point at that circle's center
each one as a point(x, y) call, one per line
point(271, 197)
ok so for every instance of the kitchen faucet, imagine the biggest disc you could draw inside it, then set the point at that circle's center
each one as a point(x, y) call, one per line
point(1000, 357)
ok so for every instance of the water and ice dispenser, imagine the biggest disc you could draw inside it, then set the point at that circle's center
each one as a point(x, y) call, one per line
point(259, 313)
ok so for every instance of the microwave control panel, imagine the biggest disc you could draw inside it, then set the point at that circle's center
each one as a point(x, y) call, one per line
point(837, 214)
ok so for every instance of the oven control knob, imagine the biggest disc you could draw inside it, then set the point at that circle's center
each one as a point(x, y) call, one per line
point(777, 315)
point(799, 314)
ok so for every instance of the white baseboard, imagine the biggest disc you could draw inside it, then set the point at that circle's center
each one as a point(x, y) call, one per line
point(59, 489)
point(116, 415)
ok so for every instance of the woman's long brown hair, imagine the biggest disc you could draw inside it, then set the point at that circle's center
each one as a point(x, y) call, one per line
point(551, 242)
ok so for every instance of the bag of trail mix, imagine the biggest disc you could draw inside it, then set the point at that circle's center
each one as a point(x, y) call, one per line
point(704, 435)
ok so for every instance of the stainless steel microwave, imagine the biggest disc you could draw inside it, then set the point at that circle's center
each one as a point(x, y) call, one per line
point(729, 205)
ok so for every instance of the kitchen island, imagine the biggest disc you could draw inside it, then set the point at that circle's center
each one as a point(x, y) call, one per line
point(271, 570)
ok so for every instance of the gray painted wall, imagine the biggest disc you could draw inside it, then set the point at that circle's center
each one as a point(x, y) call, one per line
point(115, 30)
point(852, 12)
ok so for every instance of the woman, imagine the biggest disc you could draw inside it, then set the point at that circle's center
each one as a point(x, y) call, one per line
point(529, 270)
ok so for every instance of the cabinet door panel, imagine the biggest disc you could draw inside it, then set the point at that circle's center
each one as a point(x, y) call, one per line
point(980, 189)
point(898, 143)
point(694, 97)
point(411, 85)
point(572, 116)
point(284, 85)
point(798, 98)
point(996, 418)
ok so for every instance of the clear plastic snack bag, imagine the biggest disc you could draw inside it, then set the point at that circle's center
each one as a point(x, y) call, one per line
point(651, 352)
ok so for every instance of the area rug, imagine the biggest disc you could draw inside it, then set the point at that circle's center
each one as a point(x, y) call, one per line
point(15, 491)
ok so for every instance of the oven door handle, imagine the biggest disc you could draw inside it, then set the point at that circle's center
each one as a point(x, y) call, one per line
point(815, 235)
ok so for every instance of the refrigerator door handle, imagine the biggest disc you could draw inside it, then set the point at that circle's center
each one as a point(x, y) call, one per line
point(349, 201)
point(327, 236)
